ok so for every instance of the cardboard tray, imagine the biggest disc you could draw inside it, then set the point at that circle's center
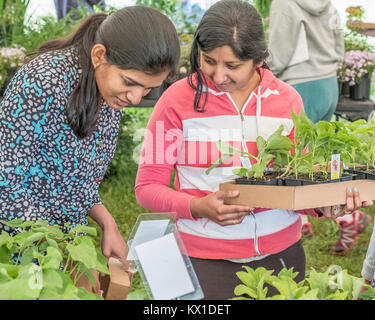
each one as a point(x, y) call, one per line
point(299, 197)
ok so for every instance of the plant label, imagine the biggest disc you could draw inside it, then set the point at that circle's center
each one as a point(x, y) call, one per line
point(335, 166)
point(164, 268)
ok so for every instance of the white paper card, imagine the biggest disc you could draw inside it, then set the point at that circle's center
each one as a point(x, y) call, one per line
point(164, 268)
point(147, 230)
point(335, 166)
point(301, 53)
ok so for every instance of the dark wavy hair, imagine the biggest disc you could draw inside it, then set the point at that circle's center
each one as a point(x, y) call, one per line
point(135, 37)
point(233, 23)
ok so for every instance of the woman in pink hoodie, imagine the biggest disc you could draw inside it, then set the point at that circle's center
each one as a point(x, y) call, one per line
point(230, 95)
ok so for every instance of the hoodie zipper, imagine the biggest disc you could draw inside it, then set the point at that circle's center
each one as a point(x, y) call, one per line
point(255, 233)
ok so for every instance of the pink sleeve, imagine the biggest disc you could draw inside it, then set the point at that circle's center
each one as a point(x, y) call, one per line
point(152, 192)
point(162, 143)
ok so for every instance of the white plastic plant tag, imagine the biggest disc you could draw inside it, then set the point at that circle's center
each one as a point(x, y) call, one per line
point(335, 166)
point(164, 268)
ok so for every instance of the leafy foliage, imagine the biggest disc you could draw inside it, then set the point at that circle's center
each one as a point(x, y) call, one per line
point(132, 129)
point(12, 16)
point(42, 262)
point(263, 7)
point(275, 148)
point(333, 284)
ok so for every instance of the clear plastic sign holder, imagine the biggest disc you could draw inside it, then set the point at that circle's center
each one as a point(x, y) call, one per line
point(153, 226)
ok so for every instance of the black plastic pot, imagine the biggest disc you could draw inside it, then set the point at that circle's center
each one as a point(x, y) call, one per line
point(347, 177)
point(357, 175)
point(343, 88)
point(292, 182)
point(300, 182)
point(273, 182)
point(360, 173)
point(361, 90)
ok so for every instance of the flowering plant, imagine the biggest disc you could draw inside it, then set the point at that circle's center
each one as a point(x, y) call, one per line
point(356, 65)
point(10, 59)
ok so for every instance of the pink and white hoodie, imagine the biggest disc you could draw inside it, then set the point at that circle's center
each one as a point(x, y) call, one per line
point(181, 139)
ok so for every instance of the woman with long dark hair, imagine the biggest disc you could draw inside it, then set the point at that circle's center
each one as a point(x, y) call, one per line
point(61, 112)
point(230, 95)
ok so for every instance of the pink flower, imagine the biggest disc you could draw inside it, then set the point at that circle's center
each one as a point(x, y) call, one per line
point(356, 64)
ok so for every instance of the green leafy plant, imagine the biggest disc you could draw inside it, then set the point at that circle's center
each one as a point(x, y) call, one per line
point(174, 10)
point(12, 16)
point(315, 143)
point(276, 148)
point(263, 7)
point(42, 262)
point(10, 60)
point(333, 284)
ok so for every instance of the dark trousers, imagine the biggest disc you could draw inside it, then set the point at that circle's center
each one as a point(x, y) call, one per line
point(218, 278)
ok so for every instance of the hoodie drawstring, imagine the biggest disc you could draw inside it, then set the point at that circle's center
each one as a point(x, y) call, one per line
point(259, 109)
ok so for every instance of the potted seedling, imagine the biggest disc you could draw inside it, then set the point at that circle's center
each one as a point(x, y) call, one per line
point(314, 146)
point(267, 164)
point(363, 165)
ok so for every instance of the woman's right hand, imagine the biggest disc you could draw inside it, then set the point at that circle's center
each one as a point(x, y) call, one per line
point(213, 208)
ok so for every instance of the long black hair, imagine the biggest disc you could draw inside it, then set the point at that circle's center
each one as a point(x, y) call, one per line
point(233, 23)
point(135, 37)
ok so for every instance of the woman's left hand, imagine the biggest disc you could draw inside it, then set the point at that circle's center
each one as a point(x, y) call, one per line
point(353, 202)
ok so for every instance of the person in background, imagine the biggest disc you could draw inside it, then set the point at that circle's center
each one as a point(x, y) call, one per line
point(307, 45)
point(229, 95)
point(368, 268)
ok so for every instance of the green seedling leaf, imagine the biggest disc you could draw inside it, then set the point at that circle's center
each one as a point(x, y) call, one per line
point(218, 162)
point(34, 237)
point(83, 294)
point(16, 223)
point(5, 254)
point(101, 263)
point(50, 293)
point(52, 259)
point(227, 149)
point(4, 238)
point(242, 290)
point(240, 172)
point(28, 255)
point(84, 271)
point(84, 252)
point(52, 278)
point(139, 294)
point(337, 296)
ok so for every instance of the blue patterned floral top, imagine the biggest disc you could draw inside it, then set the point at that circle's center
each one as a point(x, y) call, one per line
point(45, 170)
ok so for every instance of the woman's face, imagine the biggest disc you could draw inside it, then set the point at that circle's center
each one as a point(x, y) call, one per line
point(227, 72)
point(119, 87)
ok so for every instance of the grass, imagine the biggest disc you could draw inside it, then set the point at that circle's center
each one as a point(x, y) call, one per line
point(117, 193)
point(326, 232)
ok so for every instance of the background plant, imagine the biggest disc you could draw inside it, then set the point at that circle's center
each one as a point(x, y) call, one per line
point(12, 20)
point(357, 64)
point(333, 284)
point(42, 262)
point(10, 60)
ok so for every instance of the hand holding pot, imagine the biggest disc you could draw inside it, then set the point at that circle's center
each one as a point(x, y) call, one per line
point(213, 208)
point(353, 202)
